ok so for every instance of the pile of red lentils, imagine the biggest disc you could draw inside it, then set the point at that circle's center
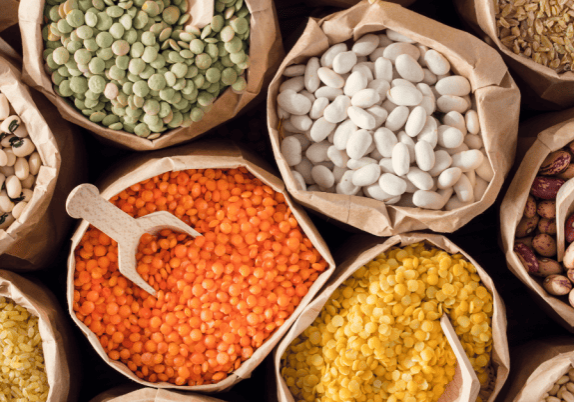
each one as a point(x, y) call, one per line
point(219, 296)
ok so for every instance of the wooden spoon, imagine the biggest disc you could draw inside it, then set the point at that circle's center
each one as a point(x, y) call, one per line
point(85, 202)
point(465, 385)
point(564, 207)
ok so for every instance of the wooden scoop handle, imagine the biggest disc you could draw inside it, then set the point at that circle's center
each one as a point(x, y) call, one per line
point(85, 202)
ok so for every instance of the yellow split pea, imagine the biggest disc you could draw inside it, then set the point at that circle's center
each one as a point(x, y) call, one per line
point(379, 338)
point(22, 371)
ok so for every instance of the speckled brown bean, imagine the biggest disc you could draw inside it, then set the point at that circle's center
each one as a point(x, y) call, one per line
point(567, 173)
point(547, 266)
point(569, 229)
point(570, 274)
point(547, 226)
point(557, 285)
point(555, 163)
point(571, 298)
point(547, 209)
point(570, 147)
point(530, 207)
point(546, 187)
point(545, 245)
point(526, 226)
point(525, 240)
point(527, 257)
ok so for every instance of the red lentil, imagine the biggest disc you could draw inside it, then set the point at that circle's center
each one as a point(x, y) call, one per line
point(219, 296)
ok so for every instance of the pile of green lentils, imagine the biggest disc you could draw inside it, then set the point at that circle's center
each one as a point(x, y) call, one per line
point(136, 65)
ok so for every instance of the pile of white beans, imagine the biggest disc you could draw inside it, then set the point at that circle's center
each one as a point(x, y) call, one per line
point(19, 165)
point(562, 390)
point(386, 119)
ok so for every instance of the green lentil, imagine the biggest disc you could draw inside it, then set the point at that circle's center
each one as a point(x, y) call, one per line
point(136, 67)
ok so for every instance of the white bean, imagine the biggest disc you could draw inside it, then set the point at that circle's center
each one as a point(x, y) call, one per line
point(472, 124)
point(282, 113)
point(361, 118)
point(346, 186)
point(432, 199)
point(421, 180)
point(461, 148)
point(295, 84)
point(343, 133)
point(380, 115)
point(367, 175)
point(394, 50)
point(302, 123)
point(397, 118)
point(321, 129)
point(338, 157)
point(401, 159)
point(295, 70)
point(291, 150)
point(293, 102)
point(449, 137)
point(404, 95)
point(330, 78)
point(377, 54)
point(448, 103)
point(344, 62)
point(442, 162)
point(386, 165)
point(356, 82)
point(317, 152)
point(397, 37)
point(389, 105)
point(392, 184)
point(366, 45)
point(397, 82)
point(308, 95)
point(375, 191)
point(328, 92)
point(468, 160)
point(436, 62)
point(454, 85)
point(473, 141)
point(429, 77)
point(358, 144)
point(455, 119)
point(323, 176)
point(318, 108)
point(18, 209)
point(336, 112)
point(299, 179)
point(424, 155)
point(384, 69)
point(448, 177)
point(454, 203)
point(428, 104)
point(385, 140)
point(329, 55)
point(408, 141)
point(365, 98)
point(408, 68)
point(429, 132)
point(381, 87)
point(29, 182)
point(13, 187)
point(463, 189)
point(485, 171)
point(21, 168)
point(355, 164)
point(471, 177)
point(416, 121)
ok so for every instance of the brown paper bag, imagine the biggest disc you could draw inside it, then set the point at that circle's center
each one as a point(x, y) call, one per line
point(360, 251)
point(122, 394)
point(537, 365)
point(200, 155)
point(9, 15)
point(559, 133)
point(544, 89)
point(265, 49)
point(350, 3)
point(496, 95)
point(34, 239)
point(60, 355)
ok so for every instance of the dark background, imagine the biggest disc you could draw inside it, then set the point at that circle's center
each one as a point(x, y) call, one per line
point(479, 238)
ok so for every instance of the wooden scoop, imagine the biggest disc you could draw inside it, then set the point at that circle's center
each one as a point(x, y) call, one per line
point(465, 385)
point(201, 12)
point(564, 207)
point(85, 202)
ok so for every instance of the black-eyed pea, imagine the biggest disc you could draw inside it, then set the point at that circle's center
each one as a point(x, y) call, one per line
point(28, 183)
point(4, 107)
point(13, 187)
point(6, 220)
point(21, 168)
point(554, 389)
point(20, 148)
point(10, 124)
point(6, 204)
point(18, 209)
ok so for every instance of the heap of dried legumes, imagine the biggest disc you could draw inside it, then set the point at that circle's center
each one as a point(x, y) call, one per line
point(219, 296)
point(540, 30)
point(378, 337)
point(22, 373)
